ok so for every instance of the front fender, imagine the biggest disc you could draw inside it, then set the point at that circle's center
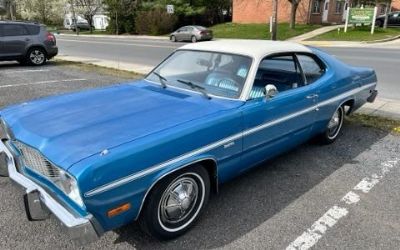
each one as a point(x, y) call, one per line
point(133, 192)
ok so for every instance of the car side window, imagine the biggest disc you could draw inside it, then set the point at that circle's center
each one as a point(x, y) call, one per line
point(312, 70)
point(33, 29)
point(14, 30)
point(282, 71)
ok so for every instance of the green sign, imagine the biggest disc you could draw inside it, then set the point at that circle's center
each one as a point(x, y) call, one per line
point(365, 15)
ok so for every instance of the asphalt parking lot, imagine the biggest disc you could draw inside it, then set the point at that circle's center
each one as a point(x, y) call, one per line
point(341, 196)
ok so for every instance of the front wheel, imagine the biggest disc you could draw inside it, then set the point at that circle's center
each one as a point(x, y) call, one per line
point(175, 203)
point(194, 39)
point(334, 126)
point(173, 39)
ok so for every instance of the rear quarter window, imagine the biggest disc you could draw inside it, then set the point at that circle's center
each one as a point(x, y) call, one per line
point(33, 29)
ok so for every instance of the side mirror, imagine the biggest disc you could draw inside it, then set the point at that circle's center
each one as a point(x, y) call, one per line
point(270, 91)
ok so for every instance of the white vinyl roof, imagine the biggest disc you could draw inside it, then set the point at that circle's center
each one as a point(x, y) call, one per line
point(257, 49)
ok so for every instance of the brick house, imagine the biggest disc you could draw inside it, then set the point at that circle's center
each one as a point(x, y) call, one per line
point(309, 11)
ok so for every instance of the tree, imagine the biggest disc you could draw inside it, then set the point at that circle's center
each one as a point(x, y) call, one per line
point(293, 11)
point(89, 8)
point(47, 12)
point(387, 9)
point(122, 15)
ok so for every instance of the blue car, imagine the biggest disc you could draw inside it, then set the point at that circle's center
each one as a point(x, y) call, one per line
point(154, 150)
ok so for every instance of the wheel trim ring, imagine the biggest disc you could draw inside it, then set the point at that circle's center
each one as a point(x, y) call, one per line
point(199, 178)
point(337, 128)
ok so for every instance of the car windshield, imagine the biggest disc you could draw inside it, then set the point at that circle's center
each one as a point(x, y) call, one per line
point(211, 73)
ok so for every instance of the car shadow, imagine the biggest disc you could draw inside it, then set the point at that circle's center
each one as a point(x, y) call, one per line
point(251, 199)
point(14, 64)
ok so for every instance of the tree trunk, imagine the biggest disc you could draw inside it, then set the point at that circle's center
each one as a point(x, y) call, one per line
point(387, 8)
point(293, 11)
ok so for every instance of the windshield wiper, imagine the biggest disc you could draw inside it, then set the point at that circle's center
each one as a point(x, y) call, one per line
point(163, 80)
point(195, 86)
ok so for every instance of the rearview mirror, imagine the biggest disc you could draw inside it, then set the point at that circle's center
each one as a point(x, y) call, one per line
point(270, 91)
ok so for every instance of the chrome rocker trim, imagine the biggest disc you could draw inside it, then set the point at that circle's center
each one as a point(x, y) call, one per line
point(80, 229)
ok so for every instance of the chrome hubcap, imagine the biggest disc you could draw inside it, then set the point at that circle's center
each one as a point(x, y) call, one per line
point(179, 200)
point(37, 57)
point(334, 124)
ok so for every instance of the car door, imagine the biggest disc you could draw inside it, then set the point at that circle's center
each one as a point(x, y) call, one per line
point(397, 18)
point(189, 33)
point(180, 34)
point(275, 124)
point(393, 19)
point(16, 36)
point(2, 51)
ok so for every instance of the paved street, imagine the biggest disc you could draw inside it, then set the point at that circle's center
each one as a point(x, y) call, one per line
point(384, 59)
point(341, 196)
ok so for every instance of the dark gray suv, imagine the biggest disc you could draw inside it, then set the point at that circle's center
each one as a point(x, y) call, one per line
point(28, 43)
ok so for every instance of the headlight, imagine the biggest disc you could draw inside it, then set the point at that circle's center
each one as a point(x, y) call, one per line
point(69, 186)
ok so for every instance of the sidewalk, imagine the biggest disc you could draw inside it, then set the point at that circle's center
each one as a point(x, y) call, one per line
point(116, 36)
point(314, 33)
point(382, 107)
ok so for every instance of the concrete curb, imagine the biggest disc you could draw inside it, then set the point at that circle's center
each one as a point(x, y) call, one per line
point(387, 108)
point(131, 67)
point(119, 36)
point(383, 40)
point(382, 107)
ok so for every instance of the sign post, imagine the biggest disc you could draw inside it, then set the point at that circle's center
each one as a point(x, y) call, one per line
point(373, 20)
point(347, 19)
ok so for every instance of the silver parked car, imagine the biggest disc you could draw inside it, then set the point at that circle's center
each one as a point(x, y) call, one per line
point(28, 43)
point(192, 33)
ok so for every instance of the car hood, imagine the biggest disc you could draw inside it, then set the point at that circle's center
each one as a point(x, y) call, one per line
point(69, 128)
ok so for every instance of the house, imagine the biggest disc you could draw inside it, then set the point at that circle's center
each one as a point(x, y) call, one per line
point(309, 11)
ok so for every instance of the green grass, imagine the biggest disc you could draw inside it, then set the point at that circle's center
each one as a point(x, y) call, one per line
point(358, 34)
point(381, 123)
point(258, 31)
point(99, 69)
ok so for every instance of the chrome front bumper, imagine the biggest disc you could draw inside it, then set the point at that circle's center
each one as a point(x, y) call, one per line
point(39, 204)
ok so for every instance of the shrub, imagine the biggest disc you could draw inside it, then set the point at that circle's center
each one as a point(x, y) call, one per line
point(154, 22)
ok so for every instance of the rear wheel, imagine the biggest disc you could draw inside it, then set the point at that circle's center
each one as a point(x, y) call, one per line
point(334, 126)
point(194, 39)
point(175, 203)
point(36, 56)
point(379, 23)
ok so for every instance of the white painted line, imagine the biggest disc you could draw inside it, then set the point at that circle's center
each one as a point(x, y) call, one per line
point(351, 198)
point(25, 71)
point(311, 236)
point(42, 82)
point(121, 44)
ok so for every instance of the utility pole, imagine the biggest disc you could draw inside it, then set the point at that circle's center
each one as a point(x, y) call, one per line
point(274, 19)
point(75, 21)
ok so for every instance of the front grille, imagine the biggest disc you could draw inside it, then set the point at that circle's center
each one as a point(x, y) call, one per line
point(32, 159)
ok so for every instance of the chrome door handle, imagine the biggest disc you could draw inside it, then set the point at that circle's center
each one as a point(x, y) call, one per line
point(312, 96)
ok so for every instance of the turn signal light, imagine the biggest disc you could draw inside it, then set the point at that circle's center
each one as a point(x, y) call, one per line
point(118, 210)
